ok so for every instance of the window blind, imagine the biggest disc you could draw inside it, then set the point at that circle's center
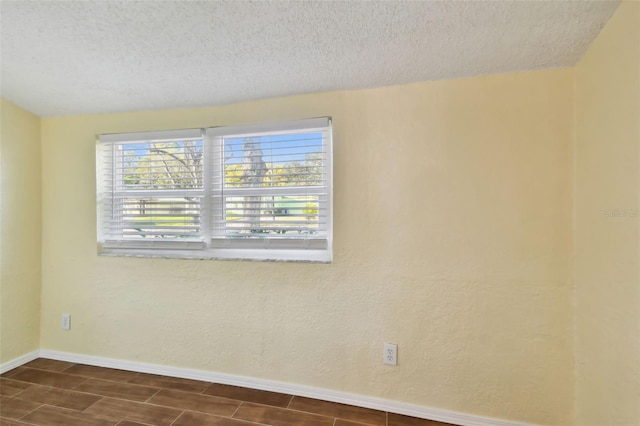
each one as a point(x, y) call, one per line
point(274, 191)
point(258, 191)
point(152, 190)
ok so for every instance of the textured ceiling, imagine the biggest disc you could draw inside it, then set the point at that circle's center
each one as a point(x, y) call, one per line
point(73, 57)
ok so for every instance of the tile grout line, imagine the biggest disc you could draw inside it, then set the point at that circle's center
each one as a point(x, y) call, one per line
point(22, 419)
point(204, 390)
point(100, 396)
point(126, 381)
point(154, 394)
point(86, 377)
point(264, 405)
point(81, 383)
point(37, 385)
point(134, 421)
point(315, 413)
point(154, 404)
point(21, 391)
point(134, 402)
point(48, 370)
point(32, 411)
point(72, 365)
point(6, 374)
point(236, 410)
point(214, 396)
point(305, 410)
point(359, 423)
point(177, 417)
point(312, 413)
point(93, 403)
point(137, 374)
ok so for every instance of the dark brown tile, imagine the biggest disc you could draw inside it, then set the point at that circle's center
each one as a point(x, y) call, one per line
point(11, 372)
point(249, 395)
point(279, 416)
point(59, 397)
point(25, 389)
point(117, 390)
point(9, 422)
point(49, 364)
point(134, 411)
point(341, 422)
point(101, 373)
point(342, 411)
point(48, 378)
point(400, 420)
point(169, 383)
point(55, 416)
point(189, 418)
point(195, 402)
point(10, 387)
point(12, 408)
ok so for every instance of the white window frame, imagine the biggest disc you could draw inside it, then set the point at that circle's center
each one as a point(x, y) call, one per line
point(212, 245)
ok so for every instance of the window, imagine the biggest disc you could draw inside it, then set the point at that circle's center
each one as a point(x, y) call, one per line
point(242, 192)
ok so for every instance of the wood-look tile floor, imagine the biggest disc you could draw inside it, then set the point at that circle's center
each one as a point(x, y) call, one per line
point(47, 393)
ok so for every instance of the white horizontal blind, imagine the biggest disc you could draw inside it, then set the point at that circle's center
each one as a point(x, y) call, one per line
point(257, 191)
point(151, 190)
point(273, 190)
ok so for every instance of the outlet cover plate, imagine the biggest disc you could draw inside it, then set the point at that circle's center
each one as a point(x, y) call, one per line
point(390, 354)
point(65, 322)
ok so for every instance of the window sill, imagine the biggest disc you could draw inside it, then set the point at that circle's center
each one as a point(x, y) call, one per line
point(302, 256)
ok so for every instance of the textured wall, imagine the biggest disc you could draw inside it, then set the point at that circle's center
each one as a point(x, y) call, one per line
point(452, 239)
point(20, 232)
point(607, 225)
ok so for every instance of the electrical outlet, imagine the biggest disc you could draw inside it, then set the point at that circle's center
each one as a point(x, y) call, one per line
point(390, 354)
point(65, 322)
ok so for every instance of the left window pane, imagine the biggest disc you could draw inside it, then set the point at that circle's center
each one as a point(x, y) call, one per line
point(153, 191)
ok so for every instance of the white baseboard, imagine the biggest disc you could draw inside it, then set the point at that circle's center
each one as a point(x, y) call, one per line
point(17, 362)
point(398, 407)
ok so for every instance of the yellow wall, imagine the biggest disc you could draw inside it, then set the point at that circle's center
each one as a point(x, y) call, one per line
point(607, 225)
point(453, 213)
point(20, 209)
